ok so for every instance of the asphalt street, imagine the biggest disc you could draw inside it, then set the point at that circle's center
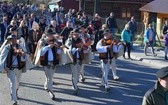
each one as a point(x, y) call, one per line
point(136, 78)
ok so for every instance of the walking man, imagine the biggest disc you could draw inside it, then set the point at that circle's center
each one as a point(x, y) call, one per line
point(75, 43)
point(111, 23)
point(13, 60)
point(107, 58)
point(49, 59)
point(133, 28)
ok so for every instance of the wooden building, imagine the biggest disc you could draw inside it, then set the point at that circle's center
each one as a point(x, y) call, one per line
point(159, 8)
point(123, 9)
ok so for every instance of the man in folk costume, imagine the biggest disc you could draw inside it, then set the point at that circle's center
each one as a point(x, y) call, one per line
point(107, 58)
point(12, 60)
point(13, 31)
point(42, 42)
point(21, 42)
point(49, 59)
point(88, 55)
point(75, 45)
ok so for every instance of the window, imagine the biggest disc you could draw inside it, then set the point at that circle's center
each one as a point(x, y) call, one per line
point(126, 13)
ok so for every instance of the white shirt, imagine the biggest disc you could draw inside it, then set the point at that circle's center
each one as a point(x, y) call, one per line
point(14, 61)
point(50, 53)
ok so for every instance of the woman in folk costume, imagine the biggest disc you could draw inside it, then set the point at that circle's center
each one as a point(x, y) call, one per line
point(13, 61)
point(34, 36)
point(107, 58)
point(75, 44)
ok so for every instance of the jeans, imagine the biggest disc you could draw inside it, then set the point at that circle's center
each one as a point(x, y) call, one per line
point(128, 47)
point(132, 39)
point(149, 44)
point(166, 50)
point(113, 30)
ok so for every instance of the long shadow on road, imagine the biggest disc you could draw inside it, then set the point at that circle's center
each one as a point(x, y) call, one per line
point(135, 80)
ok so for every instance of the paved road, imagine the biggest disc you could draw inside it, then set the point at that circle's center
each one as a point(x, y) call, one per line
point(135, 79)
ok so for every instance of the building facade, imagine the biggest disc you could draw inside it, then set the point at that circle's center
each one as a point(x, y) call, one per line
point(123, 9)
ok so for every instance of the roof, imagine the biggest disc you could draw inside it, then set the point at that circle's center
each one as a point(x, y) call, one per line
point(156, 6)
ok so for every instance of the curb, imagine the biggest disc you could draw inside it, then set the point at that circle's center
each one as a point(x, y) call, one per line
point(151, 62)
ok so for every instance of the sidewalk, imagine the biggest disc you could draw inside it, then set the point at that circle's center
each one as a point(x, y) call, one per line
point(159, 61)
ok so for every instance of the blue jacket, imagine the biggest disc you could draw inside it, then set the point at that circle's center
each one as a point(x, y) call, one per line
point(146, 35)
point(126, 36)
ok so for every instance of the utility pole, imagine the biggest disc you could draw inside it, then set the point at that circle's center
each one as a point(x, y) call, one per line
point(80, 5)
point(96, 6)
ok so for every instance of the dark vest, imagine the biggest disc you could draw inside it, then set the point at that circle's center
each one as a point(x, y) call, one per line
point(44, 59)
point(81, 54)
point(10, 58)
point(109, 51)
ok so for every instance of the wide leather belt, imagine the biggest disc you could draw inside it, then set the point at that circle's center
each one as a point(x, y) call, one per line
point(50, 63)
point(14, 67)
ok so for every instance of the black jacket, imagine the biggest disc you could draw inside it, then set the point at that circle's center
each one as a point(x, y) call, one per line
point(155, 96)
point(111, 22)
point(3, 30)
point(165, 28)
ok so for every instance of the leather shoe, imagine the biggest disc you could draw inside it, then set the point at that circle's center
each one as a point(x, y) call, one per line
point(52, 95)
point(83, 80)
point(107, 89)
point(15, 103)
point(116, 78)
point(75, 91)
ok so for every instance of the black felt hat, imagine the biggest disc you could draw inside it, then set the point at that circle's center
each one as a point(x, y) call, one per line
point(162, 73)
point(75, 30)
point(49, 31)
point(106, 32)
point(11, 37)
